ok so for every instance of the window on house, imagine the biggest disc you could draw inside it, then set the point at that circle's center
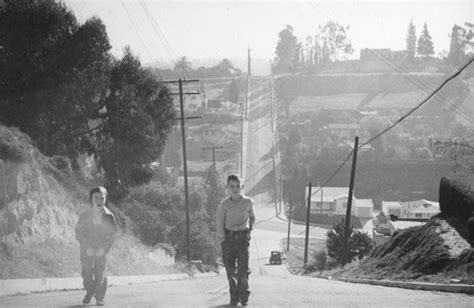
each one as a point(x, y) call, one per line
point(418, 215)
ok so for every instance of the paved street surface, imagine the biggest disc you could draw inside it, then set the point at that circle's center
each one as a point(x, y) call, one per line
point(271, 285)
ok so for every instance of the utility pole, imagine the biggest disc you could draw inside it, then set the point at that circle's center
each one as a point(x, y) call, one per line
point(272, 122)
point(289, 227)
point(213, 148)
point(322, 191)
point(349, 202)
point(249, 68)
point(185, 163)
point(306, 241)
point(249, 73)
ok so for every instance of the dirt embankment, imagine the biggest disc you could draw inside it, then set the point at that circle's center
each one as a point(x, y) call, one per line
point(438, 251)
point(40, 200)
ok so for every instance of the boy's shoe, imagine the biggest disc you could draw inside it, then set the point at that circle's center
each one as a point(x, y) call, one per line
point(234, 303)
point(100, 303)
point(87, 299)
point(244, 303)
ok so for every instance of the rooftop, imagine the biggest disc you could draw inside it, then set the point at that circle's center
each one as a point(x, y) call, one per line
point(364, 203)
point(400, 225)
point(329, 194)
point(354, 126)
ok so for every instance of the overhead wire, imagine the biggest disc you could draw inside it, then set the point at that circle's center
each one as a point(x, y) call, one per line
point(384, 131)
point(418, 83)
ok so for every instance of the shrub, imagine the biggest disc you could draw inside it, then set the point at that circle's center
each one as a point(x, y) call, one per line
point(167, 248)
point(320, 259)
point(359, 243)
point(455, 198)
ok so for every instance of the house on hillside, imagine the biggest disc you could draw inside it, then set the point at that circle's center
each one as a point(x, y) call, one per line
point(333, 201)
point(192, 102)
point(391, 208)
point(344, 130)
point(364, 208)
point(421, 209)
point(206, 133)
point(381, 227)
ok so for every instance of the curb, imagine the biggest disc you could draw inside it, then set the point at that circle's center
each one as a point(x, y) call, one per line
point(425, 286)
point(293, 272)
point(25, 286)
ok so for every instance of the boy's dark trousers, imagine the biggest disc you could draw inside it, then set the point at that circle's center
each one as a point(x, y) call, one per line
point(93, 275)
point(235, 251)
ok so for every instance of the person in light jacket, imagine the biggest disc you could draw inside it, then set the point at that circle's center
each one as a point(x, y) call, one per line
point(95, 231)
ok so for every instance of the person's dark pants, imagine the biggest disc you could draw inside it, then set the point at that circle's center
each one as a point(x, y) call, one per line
point(93, 275)
point(235, 255)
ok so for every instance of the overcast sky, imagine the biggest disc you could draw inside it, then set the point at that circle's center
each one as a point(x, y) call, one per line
point(224, 29)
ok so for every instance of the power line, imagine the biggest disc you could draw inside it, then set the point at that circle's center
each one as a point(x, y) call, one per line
point(138, 34)
point(416, 82)
point(160, 34)
point(459, 71)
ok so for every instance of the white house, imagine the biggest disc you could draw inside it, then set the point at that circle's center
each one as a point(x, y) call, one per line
point(419, 209)
point(364, 208)
point(333, 201)
point(411, 209)
point(391, 208)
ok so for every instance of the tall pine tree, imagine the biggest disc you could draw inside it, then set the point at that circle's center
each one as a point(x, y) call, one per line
point(411, 41)
point(286, 50)
point(425, 44)
point(456, 49)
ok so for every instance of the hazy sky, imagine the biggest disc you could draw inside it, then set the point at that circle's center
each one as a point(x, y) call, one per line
point(224, 29)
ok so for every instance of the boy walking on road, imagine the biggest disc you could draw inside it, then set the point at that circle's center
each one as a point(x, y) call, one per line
point(95, 231)
point(235, 219)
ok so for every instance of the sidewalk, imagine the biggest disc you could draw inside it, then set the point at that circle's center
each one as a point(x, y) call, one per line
point(24, 286)
point(425, 286)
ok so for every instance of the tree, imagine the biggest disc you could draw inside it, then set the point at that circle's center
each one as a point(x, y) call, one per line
point(55, 71)
point(456, 48)
point(411, 41)
point(183, 65)
point(136, 118)
point(425, 44)
point(334, 41)
point(234, 91)
point(286, 50)
point(309, 51)
point(373, 125)
point(360, 244)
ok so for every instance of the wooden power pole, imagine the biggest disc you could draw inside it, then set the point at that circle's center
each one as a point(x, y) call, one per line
point(306, 240)
point(185, 162)
point(289, 227)
point(349, 202)
point(213, 148)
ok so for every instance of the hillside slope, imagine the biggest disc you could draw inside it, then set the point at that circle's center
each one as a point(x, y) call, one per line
point(40, 200)
point(437, 251)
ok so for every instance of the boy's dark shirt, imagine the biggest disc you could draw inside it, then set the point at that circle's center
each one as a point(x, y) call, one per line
point(91, 235)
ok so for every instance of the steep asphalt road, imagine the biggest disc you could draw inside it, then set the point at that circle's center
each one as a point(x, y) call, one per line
point(271, 285)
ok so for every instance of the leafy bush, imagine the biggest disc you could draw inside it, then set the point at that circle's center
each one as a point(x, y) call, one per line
point(158, 217)
point(320, 259)
point(359, 243)
point(167, 248)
